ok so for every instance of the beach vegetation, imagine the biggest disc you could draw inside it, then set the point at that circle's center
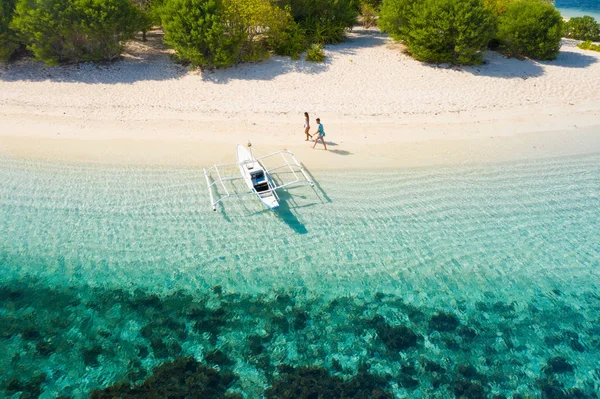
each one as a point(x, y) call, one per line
point(258, 23)
point(497, 7)
point(450, 31)
point(290, 42)
point(315, 53)
point(71, 31)
point(220, 33)
point(588, 45)
point(394, 17)
point(530, 28)
point(323, 21)
point(582, 28)
point(9, 42)
point(195, 30)
point(368, 14)
point(146, 19)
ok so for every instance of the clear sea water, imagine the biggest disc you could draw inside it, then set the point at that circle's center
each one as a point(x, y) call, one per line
point(579, 8)
point(107, 272)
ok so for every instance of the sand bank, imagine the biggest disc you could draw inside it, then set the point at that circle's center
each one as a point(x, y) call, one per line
point(380, 108)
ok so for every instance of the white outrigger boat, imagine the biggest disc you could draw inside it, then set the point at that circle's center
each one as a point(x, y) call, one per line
point(257, 177)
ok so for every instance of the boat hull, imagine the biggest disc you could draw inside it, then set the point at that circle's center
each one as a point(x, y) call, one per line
point(248, 164)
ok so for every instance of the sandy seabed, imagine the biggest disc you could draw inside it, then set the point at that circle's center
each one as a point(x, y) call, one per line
point(380, 108)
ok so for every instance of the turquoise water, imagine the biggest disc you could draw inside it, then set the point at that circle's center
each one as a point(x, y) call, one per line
point(579, 8)
point(467, 281)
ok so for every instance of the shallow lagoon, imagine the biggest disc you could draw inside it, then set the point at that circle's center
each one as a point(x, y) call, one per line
point(448, 281)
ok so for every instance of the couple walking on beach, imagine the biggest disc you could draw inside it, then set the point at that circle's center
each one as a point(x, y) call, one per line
point(320, 131)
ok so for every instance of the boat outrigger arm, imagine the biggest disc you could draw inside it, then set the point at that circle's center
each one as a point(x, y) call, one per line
point(259, 180)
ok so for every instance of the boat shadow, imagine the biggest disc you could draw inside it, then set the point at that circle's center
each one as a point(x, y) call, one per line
point(284, 212)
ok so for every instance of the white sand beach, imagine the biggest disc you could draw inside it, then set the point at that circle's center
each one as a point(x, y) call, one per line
point(380, 108)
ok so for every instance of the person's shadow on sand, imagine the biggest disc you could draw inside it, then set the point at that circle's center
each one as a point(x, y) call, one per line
point(334, 151)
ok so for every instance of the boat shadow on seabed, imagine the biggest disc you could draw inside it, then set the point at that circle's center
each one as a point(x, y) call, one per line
point(287, 202)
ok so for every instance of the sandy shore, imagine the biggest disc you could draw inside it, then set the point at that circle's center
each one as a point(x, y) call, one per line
point(380, 108)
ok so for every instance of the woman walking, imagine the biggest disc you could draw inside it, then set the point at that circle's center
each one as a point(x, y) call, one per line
point(321, 135)
point(307, 126)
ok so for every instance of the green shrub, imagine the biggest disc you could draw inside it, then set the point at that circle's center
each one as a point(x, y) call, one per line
point(194, 28)
point(63, 31)
point(259, 23)
point(290, 42)
point(315, 53)
point(323, 21)
point(146, 18)
point(375, 4)
point(582, 28)
point(530, 28)
point(219, 33)
point(497, 7)
point(8, 38)
point(588, 45)
point(454, 31)
point(394, 16)
point(368, 14)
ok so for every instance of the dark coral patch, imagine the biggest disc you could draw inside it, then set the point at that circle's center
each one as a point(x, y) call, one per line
point(219, 358)
point(314, 382)
point(182, 378)
point(90, 355)
point(28, 389)
point(558, 365)
point(395, 338)
point(465, 389)
point(444, 322)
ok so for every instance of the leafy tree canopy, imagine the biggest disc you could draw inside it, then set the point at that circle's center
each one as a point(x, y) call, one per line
point(530, 28)
point(454, 31)
point(59, 31)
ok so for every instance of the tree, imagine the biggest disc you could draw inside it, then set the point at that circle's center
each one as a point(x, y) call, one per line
point(583, 28)
point(8, 39)
point(146, 20)
point(394, 16)
point(219, 33)
point(455, 31)
point(530, 28)
point(497, 7)
point(258, 22)
point(323, 21)
point(62, 31)
point(194, 28)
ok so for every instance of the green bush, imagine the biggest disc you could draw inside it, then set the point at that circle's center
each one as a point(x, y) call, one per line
point(530, 28)
point(259, 23)
point(454, 31)
point(63, 31)
point(497, 7)
point(368, 14)
point(219, 33)
point(315, 53)
point(588, 45)
point(582, 28)
point(290, 42)
point(394, 16)
point(323, 21)
point(8, 39)
point(146, 17)
point(194, 28)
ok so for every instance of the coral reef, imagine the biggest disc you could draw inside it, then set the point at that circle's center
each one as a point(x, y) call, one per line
point(181, 378)
point(316, 383)
point(293, 339)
